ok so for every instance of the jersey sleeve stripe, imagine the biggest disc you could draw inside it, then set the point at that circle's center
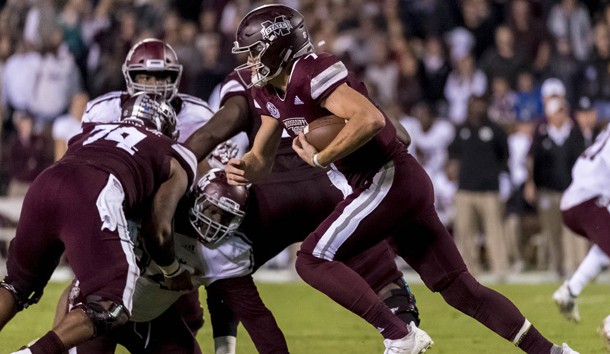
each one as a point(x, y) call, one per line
point(327, 78)
point(196, 101)
point(231, 86)
point(105, 97)
point(190, 160)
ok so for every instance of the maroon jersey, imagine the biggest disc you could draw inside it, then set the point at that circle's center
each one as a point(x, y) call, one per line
point(79, 205)
point(137, 156)
point(287, 166)
point(313, 78)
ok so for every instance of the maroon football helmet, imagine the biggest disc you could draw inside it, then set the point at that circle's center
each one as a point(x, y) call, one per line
point(219, 207)
point(152, 56)
point(151, 110)
point(273, 36)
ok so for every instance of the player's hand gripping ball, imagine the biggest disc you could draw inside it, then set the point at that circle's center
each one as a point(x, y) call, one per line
point(323, 130)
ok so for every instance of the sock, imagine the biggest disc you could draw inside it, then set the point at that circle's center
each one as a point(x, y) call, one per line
point(531, 341)
point(593, 264)
point(225, 345)
point(48, 344)
point(556, 349)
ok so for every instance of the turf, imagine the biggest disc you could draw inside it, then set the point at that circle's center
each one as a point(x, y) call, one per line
point(314, 324)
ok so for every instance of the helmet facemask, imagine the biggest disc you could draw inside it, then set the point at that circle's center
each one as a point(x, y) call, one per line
point(215, 218)
point(219, 207)
point(273, 36)
point(156, 58)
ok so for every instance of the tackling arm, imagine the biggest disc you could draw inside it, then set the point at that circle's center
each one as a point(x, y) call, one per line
point(158, 238)
point(255, 164)
point(231, 119)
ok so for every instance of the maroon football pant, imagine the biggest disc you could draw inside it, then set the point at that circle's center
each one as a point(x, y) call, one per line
point(591, 220)
point(399, 201)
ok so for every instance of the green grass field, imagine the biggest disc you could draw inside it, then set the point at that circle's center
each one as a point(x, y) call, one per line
point(314, 324)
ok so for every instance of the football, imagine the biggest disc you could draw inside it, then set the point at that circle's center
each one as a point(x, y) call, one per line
point(323, 130)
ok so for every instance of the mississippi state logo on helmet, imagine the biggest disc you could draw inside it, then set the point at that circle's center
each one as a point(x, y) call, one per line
point(153, 57)
point(219, 207)
point(151, 110)
point(273, 35)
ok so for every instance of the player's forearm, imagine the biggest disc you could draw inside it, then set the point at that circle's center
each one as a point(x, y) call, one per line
point(357, 132)
point(257, 166)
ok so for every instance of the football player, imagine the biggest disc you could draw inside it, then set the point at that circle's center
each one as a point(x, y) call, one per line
point(110, 172)
point(389, 192)
point(585, 210)
point(152, 66)
point(209, 245)
point(283, 209)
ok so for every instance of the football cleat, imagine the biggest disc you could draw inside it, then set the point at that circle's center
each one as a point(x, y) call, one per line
point(565, 349)
point(566, 302)
point(604, 331)
point(416, 342)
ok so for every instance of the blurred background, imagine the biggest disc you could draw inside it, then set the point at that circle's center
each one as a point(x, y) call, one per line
point(528, 79)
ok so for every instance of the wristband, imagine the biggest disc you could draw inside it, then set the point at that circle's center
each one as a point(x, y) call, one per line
point(314, 161)
point(170, 270)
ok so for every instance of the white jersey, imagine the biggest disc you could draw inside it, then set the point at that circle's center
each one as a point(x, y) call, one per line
point(429, 147)
point(193, 113)
point(230, 258)
point(590, 174)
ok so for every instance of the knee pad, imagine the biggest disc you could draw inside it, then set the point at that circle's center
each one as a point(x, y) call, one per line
point(22, 299)
point(103, 319)
point(402, 303)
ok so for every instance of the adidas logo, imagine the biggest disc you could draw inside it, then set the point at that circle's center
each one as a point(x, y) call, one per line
point(380, 329)
point(297, 100)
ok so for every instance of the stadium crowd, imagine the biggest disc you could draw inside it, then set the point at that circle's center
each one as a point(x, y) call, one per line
point(500, 97)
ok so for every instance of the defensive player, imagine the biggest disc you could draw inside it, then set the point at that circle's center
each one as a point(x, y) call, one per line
point(390, 192)
point(283, 209)
point(585, 204)
point(110, 172)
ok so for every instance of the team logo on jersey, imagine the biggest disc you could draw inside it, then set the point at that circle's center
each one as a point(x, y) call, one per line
point(281, 27)
point(295, 125)
point(275, 113)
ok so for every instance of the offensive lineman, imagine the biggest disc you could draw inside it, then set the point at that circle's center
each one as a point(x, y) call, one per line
point(127, 169)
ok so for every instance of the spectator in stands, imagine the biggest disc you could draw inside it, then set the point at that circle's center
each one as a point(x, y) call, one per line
point(502, 59)
point(463, 82)
point(434, 69)
point(502, 103)
point(478, 19)
point(479, 152)
point(593, 79)
point(528, 104)
point(530, 34)
point(564, 66)
point(68, 125)
point(570, 20)
point(28, 154)
point(585, 116)
point(57, 80)
point(430, 137)
point(556, 145)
